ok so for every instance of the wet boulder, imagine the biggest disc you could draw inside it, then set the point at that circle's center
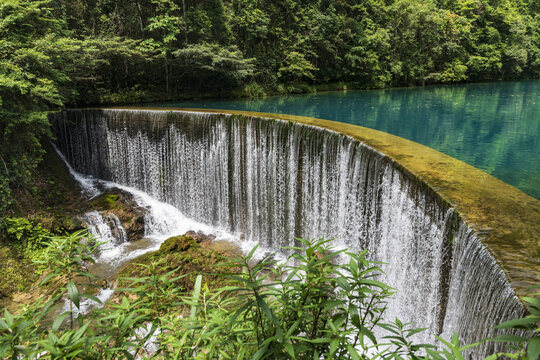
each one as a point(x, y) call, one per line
point(116, 203)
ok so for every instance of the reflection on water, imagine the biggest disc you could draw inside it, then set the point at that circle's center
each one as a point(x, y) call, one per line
point(494, 126)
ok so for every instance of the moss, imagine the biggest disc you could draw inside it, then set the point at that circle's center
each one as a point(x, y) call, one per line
point(186, 255)
point(111, 199)
point(105, 202)
point(178, 243)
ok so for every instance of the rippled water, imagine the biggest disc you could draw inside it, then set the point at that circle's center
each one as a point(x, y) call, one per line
point(493, 126)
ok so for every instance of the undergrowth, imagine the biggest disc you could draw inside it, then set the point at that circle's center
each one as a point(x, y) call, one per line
point(310, 307)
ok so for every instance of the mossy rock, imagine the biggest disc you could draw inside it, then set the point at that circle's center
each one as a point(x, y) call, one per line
point(109, 200)
point(185, 255)
point(58, 224)
point(124, 207)
point(178, 243)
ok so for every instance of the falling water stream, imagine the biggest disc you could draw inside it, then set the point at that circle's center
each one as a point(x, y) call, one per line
point(269, 181)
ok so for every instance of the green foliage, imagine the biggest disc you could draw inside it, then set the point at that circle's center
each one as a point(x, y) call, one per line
point(25, 235)
point(67, 259)
point(24, 231)
point(27, 89)
point(208, 65)
point(296, 67)
point(308, 308)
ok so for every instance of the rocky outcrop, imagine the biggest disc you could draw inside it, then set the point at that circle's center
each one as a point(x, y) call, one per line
point(121, 204)
point(190, 254)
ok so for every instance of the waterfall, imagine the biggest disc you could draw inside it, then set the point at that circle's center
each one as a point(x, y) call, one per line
point(272, 180)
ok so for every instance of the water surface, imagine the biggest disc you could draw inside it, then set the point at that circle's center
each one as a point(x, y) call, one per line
point(493, 126)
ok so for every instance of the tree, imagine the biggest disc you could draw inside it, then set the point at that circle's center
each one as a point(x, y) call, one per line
point(164, 29)
point(28, 89)
point(296, 67)
point(207, 66)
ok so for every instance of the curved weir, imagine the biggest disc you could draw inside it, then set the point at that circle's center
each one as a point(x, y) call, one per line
point(271, 178)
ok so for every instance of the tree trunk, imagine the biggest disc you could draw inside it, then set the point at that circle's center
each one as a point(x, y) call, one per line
point(166, 76)
point(139, 11)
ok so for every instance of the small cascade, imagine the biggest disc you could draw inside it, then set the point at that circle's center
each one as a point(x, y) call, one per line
point(87, 305)
point(105, 227)
point(270, 181)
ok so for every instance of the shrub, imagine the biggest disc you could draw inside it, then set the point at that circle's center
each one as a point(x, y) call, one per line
point(27, 237)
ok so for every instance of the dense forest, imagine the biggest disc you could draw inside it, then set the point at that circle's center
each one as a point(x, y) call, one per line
point(75, 52)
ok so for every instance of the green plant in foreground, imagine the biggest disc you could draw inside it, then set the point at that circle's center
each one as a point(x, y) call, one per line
point(309, 307)
point(68, 258)
point(306, 308)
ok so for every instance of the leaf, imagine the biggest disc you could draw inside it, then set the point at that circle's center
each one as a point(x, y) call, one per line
point(334, 344)
point(73, 294)
point(59, 320)
point(353, 266)
point(48, 278)
point(508, 338)
point(238, 312)
point(3, 325)
point(8, 317)
point(265, 308)
point(352, 351)
point(533, 349)
point(369, 334)
point(525, 322)
point(452, 346)
point(91, 297)
point(312, 341)
point(250, 255)
point(375, 283)
point(355, 316)
point(414, 331)
point(196, 294)
point(290, 350)
point(260, 353)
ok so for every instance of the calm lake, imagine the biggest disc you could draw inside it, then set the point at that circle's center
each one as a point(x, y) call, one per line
point(492, 126)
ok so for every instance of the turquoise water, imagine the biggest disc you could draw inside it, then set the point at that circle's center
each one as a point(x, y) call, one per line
point(493, 126)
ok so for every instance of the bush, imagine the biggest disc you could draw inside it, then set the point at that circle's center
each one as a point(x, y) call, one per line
point(28, 237)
